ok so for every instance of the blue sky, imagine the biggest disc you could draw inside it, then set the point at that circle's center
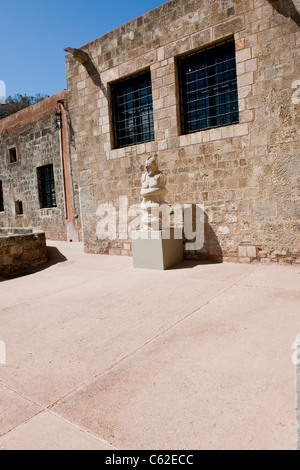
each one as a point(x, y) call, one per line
point(34, 33)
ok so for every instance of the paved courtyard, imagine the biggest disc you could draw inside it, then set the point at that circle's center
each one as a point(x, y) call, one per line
point(102, 356)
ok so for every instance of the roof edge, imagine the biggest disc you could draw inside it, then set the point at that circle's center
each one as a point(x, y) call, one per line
point(128, 22)
point(33, 113)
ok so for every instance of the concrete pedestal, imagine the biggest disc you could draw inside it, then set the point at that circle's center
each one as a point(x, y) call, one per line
point(156, 249)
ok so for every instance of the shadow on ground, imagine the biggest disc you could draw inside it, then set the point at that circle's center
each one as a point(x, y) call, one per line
point(190, 264)
point(54, 257)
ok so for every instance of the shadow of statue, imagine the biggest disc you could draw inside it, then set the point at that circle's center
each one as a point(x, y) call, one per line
point(286, 8)
point(211, 249)
point(201, 242)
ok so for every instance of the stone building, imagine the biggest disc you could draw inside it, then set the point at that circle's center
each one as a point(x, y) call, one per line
point(36, 189)
point(212, 88)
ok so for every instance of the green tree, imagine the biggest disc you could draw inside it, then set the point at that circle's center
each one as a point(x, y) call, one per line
point(16, 103)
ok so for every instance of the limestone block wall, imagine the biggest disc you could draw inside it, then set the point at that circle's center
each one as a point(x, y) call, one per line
point(36, 138)
point(247, 175)
point(20, 250)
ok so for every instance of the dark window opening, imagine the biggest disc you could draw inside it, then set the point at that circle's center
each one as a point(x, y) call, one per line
point(12, 155)
point(133, 111)
point(208, 88)
point(46, 186)
point(1, 198)
point(19, 207)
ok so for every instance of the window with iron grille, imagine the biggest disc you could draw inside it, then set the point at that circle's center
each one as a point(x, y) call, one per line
point(46, 186)
point(1, 198)
point(208, 86)
point(133, 111)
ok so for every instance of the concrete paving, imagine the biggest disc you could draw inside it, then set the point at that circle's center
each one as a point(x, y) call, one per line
point(100, 355)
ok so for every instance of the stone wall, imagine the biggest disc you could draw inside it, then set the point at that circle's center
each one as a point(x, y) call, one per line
point(247, 175)
point(34, 134)
point(20, 250)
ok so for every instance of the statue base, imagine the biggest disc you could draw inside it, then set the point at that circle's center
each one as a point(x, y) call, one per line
point(156, 249)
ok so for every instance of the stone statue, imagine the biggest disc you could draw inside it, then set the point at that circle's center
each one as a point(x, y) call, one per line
point(153, 192)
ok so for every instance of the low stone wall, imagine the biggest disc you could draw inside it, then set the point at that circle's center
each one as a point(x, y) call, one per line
point(21, 249)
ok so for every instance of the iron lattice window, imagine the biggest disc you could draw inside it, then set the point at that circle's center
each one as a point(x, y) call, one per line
point(1, 198)
point(133, 111)
point(209, 94)
point(46, 186)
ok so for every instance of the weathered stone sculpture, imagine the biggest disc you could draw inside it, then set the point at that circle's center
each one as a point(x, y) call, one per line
point(153, 192)
point(155, 246)
point(78, 55)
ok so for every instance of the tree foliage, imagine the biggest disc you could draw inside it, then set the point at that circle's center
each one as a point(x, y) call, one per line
point(16, 103)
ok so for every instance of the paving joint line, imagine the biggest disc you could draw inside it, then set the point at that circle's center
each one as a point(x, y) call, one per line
point(132, 353)
point(49, 408)
point(82, 429)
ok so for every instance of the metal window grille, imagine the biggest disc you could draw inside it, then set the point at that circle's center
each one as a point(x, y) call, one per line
point(46, 186)
point(1, 198)
point(209, 95)
point(133, 111)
